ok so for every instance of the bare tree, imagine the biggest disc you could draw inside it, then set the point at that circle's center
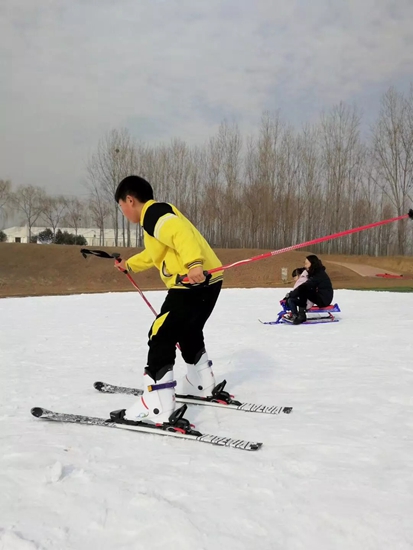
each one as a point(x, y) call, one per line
point(30, 200)
point(341, 162)
point(99, 210)
point(114, 159)
point(5, 196)
point(283, 186)
point(213, 211)
point(262, 191)
point(53, 211)
point(251, 198)
point(230, 141)
point(310, 168)
point(75, 211)
point(195, 182)
point(392, 152)
point(289, 184)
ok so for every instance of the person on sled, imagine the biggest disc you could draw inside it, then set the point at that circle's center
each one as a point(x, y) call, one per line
point(300, 276)
point(316, 289)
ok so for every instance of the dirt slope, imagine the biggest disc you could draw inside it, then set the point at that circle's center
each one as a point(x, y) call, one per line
point(34, 270)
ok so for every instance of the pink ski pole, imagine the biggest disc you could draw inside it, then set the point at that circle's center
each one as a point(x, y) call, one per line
point(117, 258)
point(183, 278)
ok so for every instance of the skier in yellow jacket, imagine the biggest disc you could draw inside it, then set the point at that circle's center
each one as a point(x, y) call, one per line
point(175, 247)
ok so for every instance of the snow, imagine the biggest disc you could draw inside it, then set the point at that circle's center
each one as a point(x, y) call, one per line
point(334, 474)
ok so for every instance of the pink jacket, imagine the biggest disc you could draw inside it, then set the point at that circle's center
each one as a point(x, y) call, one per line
point(302, 279)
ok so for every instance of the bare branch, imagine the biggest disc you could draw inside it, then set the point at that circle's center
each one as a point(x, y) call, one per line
point(5, 197)
point(114, 159)
point(30, 200)
point(75, 212)
point(53, 211)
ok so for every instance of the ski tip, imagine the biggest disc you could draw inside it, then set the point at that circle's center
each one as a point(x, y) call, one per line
point(256, 446)
point(37, 412)
point(287, 410)
point(98, 385)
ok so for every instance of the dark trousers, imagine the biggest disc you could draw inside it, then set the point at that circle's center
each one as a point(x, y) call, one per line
point(181, 320)
point(304, 294)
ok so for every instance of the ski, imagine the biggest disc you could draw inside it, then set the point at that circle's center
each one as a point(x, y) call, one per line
point(314, 321)
point(168, 430)
point(228, 403)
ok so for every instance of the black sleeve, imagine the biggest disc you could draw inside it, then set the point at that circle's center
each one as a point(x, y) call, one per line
point(152, 215)
point(310, 283)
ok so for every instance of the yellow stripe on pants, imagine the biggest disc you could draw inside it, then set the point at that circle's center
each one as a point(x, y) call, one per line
point(158, 323)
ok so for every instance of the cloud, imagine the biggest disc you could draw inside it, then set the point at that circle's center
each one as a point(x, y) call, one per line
point(74, 69)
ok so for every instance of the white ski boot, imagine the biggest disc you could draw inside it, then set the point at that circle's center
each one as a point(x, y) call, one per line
point(199, 380)
point(157, 402)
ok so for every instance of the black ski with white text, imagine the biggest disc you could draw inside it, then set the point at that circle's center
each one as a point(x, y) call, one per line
point(165, 430)
point(220, 398)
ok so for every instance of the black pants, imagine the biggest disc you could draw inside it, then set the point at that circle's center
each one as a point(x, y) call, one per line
point(181, 320)
point(304, 294)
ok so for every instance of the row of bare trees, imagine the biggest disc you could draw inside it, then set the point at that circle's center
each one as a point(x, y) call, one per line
point(281, 186)
point(34, 205)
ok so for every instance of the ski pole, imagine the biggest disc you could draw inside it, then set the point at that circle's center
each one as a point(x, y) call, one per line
point(115, 256)
point(184, 279)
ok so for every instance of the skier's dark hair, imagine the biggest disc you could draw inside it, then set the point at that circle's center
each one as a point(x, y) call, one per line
point(297, 271)
point(316, 264)
point(135, 186)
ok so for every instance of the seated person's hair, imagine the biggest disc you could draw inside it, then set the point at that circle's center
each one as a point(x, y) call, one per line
point(315, 262)
point(297, 271)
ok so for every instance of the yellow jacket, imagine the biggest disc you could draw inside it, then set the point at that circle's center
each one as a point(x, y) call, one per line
point(172, 244)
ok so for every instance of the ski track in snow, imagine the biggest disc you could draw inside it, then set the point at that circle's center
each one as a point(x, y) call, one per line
point(334, 474)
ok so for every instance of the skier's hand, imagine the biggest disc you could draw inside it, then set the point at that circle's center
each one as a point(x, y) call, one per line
point(196, 275)
point(121, 266)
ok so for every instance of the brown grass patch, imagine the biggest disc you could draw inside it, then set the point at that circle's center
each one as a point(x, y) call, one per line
point(36, 270)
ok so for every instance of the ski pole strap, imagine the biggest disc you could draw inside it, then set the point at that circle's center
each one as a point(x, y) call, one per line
point(99, 253)
point(154, 387)
point(102, 254)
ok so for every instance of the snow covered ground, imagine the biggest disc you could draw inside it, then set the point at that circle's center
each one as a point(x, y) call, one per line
point(334, 474)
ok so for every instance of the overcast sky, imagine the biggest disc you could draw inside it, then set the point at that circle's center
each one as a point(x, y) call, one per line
point(71, 70)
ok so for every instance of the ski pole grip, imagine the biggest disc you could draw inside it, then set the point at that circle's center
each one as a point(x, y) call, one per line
point(118, 259)
point(181, 279)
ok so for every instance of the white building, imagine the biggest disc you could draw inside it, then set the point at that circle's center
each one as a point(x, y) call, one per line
point(91, 234)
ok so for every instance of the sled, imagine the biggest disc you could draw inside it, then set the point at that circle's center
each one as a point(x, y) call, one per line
point(315, 315)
